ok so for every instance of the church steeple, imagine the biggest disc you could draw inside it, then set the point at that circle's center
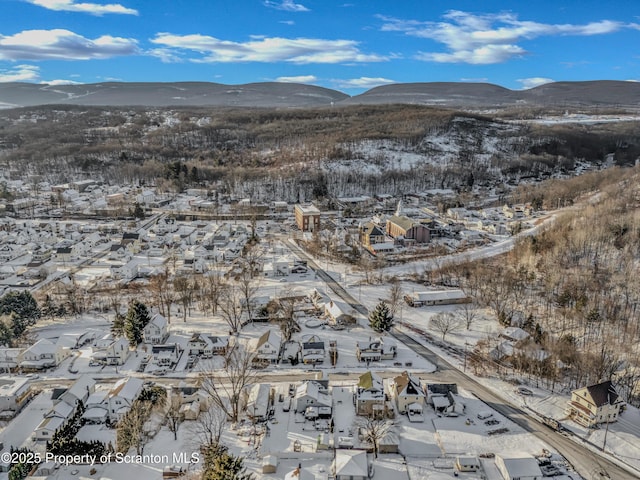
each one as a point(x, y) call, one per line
point(399, 211)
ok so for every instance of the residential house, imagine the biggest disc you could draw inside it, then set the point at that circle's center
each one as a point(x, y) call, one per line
point(122, 396)
point(258, 401)
point(406, 390)
point(207, 345)
point(157, 330)
point(53, 420)
point(110, 351)
point(595, 404)
point(313, 350)
point(370, 398)
point(339, 313)
point(80, 391)
point(14, 394)
point(376, 349)
point(267, 347)
point(97, 408)
point(43, 354)
point(351, 465)
point(311, 393)
point(165, 355)
point(371, 234)
point(9, 359)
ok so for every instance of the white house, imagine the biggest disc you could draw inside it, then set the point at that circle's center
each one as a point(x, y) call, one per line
point(56, 418)
point(14, 393)
point(157, 330)
point(97, 407)
point(339, 312)
point(80, 391)
point(257, 401)
point(267, 347)
point(370, 397)
point(9, 358)
point(311, 394)
point(350, 465)
point(110, 351)
point(122, 396)
point(406, 391)
point(43, 354)
point(165, 355)
point(207, 345)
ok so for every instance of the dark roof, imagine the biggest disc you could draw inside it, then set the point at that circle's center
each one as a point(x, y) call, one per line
point(372, 230)
point(63, 250)
point(130, 236)
point(603, 393)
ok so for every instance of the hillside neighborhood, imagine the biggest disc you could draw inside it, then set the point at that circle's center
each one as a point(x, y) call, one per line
point(253, 325)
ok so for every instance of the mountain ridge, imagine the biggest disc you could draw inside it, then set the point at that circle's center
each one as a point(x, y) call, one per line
point(595, 93)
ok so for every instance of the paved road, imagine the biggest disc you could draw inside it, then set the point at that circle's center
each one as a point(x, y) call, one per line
point(589, 464)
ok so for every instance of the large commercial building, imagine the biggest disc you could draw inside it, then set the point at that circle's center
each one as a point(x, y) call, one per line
point(307, 217)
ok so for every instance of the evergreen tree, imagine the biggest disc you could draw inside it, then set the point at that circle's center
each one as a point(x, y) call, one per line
point(117, 328)
point(221, 465)
point(23, 309)
point(380, 318)
point(134, 322)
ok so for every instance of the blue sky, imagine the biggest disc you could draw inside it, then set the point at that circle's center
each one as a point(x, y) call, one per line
point(349, 45)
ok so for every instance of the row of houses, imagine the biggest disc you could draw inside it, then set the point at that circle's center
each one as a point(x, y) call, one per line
point(100, 405)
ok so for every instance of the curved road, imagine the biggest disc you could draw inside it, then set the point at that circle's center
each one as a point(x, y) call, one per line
point(588, 463)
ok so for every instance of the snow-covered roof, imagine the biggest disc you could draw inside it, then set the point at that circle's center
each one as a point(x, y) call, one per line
point(42, 347)
point(351, 463)
point(519, 465)
point(127, 388)
point(515, 333)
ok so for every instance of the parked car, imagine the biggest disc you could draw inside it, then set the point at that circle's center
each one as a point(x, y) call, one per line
point(523, 391)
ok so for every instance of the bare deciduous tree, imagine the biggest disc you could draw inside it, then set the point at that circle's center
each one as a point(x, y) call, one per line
point(395, 296)
point(445, 323)
point(467, 313)
point(373, 430)
point(174, 413)
point(207, 429)
point(183, 287)
point(230, 307)
point(162, 293)
point(224, 387)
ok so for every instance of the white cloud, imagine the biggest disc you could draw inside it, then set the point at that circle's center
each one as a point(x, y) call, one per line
point(84, 7)
point(63, 45)
point(286, 5)
point(298, 79)
point(363, 82)
point(266, 49)
point(475, 80)
point(487, 39)
point(20, 73)
point(533, 82)
point(287, 22)
point(486, 55)
point(60, 82)
point(29, 73)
